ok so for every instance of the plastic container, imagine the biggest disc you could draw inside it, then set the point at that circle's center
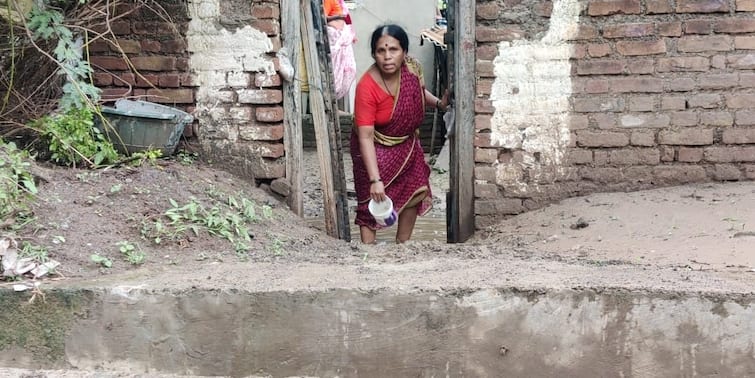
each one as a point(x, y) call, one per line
point(383, 212)
point(134, 126)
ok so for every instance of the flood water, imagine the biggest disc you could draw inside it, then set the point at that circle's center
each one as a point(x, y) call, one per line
point(427, 228)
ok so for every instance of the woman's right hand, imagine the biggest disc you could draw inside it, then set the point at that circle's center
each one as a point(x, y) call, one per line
point(377, 191)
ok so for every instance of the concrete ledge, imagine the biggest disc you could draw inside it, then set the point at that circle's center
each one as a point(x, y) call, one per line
point(269, 323)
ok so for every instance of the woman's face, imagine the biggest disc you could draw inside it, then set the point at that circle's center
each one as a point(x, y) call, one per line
point(388, 54)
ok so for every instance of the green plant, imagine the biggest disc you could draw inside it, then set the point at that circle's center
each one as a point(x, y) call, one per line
point(102, 260)
point(131, 252)
point(46, 22)
point(73, 138)
point(35, 252)
point(16, 181)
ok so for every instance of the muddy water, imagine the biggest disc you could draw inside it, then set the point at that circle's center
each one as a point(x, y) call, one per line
point(427, 228)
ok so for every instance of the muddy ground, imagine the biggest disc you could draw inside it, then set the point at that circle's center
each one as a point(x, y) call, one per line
point(651, 239)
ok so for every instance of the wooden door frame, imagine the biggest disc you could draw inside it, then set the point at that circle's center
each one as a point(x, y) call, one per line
point(460, 217)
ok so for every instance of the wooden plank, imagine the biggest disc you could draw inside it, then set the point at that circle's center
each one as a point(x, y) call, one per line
point(462, 147)
point(324, 112)
point(292, 122)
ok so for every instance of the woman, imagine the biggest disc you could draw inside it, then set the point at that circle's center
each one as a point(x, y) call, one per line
point(341, 37)
point(385, 147)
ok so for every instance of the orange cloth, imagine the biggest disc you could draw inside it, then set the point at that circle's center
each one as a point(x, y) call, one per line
point(372, 104)
point(332, 8)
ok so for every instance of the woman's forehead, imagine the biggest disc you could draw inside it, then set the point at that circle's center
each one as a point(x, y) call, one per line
point(387, 40)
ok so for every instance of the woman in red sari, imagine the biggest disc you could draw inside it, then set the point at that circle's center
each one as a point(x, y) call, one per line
point(385, 146)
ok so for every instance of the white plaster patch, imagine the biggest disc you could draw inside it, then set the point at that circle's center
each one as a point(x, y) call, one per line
point(531, 95)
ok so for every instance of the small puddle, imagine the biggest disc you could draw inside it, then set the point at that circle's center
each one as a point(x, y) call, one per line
point(426, 229)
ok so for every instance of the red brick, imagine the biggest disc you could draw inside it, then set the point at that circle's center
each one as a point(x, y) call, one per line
point(265, 11)
point(642, 138)
point(716, 119)
point(683, 84)
point(598, 105)
point(494, 34)
point(596, 86)
point(641, 66)
point(670, 29)
point(127, 46)
point(103, 79)
point(269, 114)
point(744, 43)
point(485, 190)
point(483, 106)
point(485, 173)
point(154, 63)
point(637, 85)
point(704, 100)
point(260, 96)
point(702, 6)
point(637, 156)
point(603, 121)
point(697, 27)
point(261, 132)
point(658, 6)
point(482, 122)
point(673, 103)
point(182, 64)
point(703, 44)
point(632, 48)
point(269, 27)
point(728, 154)
point(726, 172)
point(499, 206)
point(600, 67)
point(543, 9)
point(578, 122)
point(124, 80)
point(641, 104)
point(99, 46)
point(271, 150)
point(585, 32)
point(718, 81)
point(170, 80)
point(484, 68)
point(146, 80)
point(484, 87)
point(488, 11)
point(686, 137)
point(683, 64)
point(171, 96)
point(739, 136)
point(486, 155)
point(745, 5)
point(487, 51)
point(262, 80)
point(154, 28)
point(684, 118)
point(609, 7)
point(587, 138)
point(120, 27)
point(667, 153)
point(151, 46)
point(597, 50)
point(114, 93)
point(483, 140)
point(733, 25)
point(690, 155)
point(745, 118)
point(628, 30)
point(173, 46)
point(678, 174)
point(109, 63)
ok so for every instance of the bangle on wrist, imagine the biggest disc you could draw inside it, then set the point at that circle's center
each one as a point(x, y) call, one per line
point(375, 180)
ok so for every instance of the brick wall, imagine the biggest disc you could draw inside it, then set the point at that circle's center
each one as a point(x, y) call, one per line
point(216, 60)
point(610, 96)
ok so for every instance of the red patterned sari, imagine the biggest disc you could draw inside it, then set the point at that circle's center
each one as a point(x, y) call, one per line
point(400, 158)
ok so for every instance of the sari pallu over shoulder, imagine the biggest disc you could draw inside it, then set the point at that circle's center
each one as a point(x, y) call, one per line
point(399, 153)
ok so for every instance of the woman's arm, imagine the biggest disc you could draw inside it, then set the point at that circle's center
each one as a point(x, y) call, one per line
point(365, 135)
point(434, 102)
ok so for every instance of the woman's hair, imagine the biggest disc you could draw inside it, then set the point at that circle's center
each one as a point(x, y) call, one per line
point(392, 30)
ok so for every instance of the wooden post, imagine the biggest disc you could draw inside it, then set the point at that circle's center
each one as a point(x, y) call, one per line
point(461, 222)
point(325, 120)
point(292, 137)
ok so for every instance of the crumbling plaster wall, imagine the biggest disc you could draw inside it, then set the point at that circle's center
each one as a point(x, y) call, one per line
point(575, 97)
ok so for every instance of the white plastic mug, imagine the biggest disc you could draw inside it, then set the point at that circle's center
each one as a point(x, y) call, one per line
point(383, 212)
